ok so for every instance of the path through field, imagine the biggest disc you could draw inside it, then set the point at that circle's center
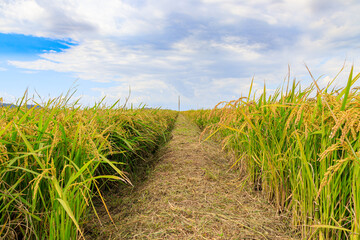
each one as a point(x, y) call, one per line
point(190, 194)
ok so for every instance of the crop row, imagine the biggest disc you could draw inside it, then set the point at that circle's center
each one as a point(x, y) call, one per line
point(301, 147)
point(54, 158)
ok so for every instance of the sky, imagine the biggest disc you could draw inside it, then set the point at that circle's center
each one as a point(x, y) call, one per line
point(204, 51)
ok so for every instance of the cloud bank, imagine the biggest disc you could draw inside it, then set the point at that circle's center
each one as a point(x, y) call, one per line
point(206, 51)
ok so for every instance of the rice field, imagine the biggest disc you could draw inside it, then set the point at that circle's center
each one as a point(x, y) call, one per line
point(301, 148)
point(55, 159)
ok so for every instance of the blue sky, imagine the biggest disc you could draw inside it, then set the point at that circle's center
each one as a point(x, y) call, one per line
point(206, 51)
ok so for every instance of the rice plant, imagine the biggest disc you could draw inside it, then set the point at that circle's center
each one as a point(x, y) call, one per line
point(300, 147)
point(52, 158)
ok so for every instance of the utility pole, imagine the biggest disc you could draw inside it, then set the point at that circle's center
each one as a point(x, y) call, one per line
point(179, 104)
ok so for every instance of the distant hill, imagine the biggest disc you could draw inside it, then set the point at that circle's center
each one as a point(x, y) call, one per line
point(7, 104)
point(14, 106)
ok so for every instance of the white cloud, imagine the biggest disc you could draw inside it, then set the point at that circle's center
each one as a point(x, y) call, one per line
point(17, 15)
point(7, 98)
point(239, 47)
point(2, 69)
point(145, 91)
point(105, 60)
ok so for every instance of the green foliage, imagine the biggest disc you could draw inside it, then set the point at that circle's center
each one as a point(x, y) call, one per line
point(301, 148)
point(52, 159)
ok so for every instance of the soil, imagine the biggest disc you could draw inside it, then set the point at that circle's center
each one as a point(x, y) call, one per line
point(190, 192)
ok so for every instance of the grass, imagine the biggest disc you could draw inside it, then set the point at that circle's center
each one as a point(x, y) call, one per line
point(55, 159)
point(301, 148)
